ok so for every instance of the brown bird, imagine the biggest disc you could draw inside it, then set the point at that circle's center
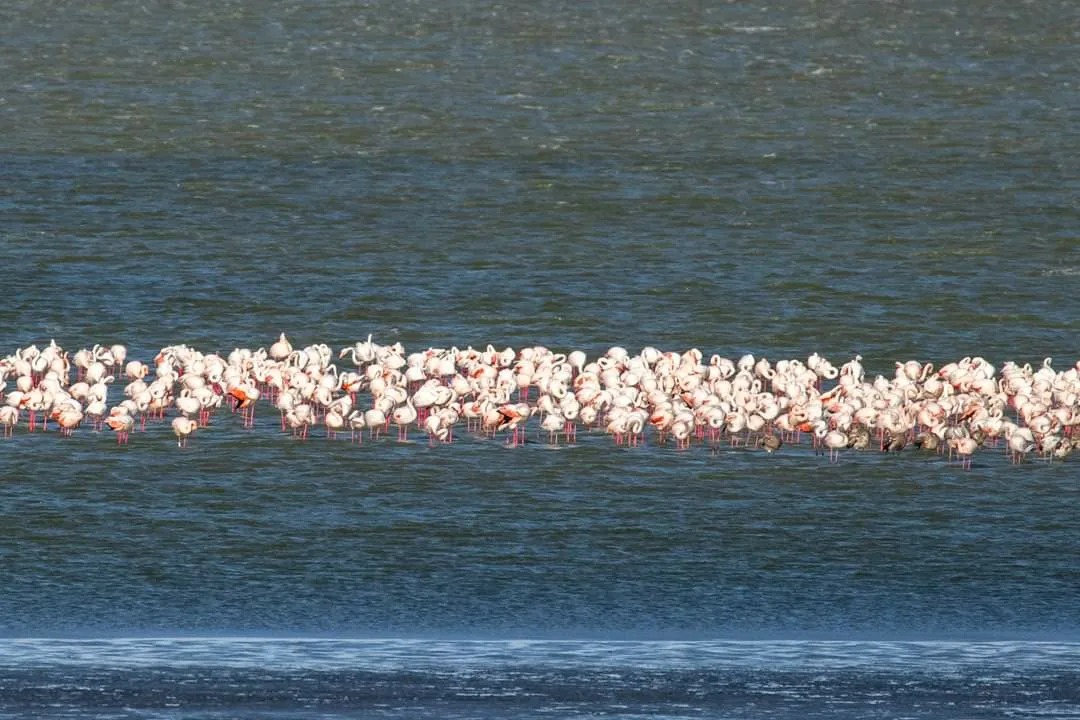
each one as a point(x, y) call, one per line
point(894, 442)
point(771, 442)
point(860, 438)
point(927, 441)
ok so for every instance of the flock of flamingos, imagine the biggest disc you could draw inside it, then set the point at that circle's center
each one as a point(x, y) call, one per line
point(680, 398)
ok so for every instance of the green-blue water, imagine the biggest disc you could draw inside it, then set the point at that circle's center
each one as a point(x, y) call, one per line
point(782, 179)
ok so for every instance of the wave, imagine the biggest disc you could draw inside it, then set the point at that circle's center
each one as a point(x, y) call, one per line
point(382, 655)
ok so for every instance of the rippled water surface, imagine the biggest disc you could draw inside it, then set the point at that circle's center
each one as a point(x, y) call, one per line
point(894, 180)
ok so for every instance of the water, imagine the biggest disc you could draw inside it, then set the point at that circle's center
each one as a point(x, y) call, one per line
point(200, 677)
point(780, 179)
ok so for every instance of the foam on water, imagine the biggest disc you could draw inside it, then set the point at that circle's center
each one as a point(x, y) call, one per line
point(325, 654)
point(403, 678)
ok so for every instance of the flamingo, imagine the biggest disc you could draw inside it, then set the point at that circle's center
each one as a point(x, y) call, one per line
point(1021, 442)
point(375, 419)
point(299, 420)
point(285, 402)
point(188, 404)
point(356, 423)
point(661, 419)
point(244, 397)
point(38, 400)
point(474, 413)
point(95, 410)
point(963, 401)
point(736, 422)
point(403, 416)
point(96, 371)
point(9, 418)
point(436, 428)
point(118, 354)
point(281, 349)
point(122, 424)
point(209, 401)
point(136, 370)
point(964, 447)
point(334, 422)
point(183, 427)
point(680, 430)
point(512, 416)
point(570, 409)
point(68, 418)
point(635, 427)
point(835, 441)
point(423, 400)
point(553, 423)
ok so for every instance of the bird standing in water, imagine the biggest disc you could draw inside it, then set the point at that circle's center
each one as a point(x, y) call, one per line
point(771, 442)
point(183, 427)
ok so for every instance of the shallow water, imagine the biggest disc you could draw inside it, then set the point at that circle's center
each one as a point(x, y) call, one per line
point(778, 179)
point(199, 677)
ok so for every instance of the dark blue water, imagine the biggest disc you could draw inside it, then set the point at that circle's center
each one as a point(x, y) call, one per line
point(899, 182)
